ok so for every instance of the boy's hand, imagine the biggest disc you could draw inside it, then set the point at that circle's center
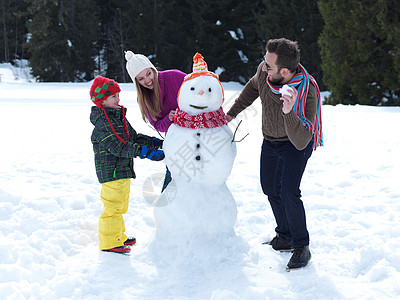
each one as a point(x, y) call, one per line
point(157, 143)
point(151, 153)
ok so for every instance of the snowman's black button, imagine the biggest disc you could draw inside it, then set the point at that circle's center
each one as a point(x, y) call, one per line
point(198, 134)
point(198, 157)
point(198, 146)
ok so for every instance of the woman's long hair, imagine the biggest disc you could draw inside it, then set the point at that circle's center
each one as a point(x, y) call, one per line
point(149, 107)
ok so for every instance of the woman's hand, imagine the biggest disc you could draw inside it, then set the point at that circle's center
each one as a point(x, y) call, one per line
point(171, 114)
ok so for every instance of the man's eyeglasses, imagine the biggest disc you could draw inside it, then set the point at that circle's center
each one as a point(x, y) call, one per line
point(269, 68)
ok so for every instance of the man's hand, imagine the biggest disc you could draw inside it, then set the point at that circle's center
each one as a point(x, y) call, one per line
point(229, 118)
point(288, 101)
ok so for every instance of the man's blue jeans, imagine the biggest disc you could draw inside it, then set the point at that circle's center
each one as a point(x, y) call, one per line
point(281, 170)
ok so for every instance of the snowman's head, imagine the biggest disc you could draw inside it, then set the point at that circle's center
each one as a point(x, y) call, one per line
point(201, 91)
point(200, 94)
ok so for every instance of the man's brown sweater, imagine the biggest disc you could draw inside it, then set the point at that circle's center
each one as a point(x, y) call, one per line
point(276, 126)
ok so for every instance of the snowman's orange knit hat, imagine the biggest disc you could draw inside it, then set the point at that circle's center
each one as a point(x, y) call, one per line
point(200, 69)
point(199, 65)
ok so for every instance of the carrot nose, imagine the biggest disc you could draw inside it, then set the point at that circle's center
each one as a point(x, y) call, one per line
point(201, 92)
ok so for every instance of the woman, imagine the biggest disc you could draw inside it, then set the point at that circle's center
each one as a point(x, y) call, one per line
point(157, 93)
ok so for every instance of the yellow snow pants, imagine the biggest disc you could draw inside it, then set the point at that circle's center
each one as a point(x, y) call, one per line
point(115, 197)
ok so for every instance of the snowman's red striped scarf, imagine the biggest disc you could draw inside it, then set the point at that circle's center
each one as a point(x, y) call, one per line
point(204, 120)
point(303, 80)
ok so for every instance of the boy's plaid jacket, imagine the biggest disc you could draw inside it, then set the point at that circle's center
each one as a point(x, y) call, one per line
point(113, 158)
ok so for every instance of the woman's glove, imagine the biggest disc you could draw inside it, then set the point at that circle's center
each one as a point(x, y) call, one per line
point(151, 153)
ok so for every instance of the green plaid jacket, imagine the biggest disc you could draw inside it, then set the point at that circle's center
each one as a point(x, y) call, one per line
point(113, 158)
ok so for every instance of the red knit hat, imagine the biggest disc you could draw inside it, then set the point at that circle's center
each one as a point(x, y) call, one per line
point(102, 88)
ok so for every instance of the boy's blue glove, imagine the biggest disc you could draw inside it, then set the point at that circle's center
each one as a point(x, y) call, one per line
point(151, 153)
point(157, 143)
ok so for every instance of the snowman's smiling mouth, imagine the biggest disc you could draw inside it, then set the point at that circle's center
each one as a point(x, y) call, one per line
point(198, 107)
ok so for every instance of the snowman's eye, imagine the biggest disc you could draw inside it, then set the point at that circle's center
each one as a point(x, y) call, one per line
point(209, 89)
point(192, 88)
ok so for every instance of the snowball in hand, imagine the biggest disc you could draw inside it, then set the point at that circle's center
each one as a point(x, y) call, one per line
point(285, 90)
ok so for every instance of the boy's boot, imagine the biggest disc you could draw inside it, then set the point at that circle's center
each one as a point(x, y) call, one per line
point(120, 249)
point(130, 241)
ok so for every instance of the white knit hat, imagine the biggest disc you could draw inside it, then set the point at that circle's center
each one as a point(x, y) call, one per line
point(136, 63)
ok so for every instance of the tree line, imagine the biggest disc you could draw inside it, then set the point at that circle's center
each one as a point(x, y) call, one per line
point(351, 47)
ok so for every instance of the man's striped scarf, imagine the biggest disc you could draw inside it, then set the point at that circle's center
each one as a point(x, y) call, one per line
point(302, 80)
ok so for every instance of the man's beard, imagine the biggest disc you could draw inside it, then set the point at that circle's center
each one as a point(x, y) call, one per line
point(276, 81)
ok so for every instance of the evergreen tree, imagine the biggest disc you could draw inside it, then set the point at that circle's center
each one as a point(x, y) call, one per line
point(162, 31)
point(300, 21)
point(361, 52)
point(117, 35)
point(111, 41)
point(144, 27)
point(224, 33)
point(62, 38)
point(174, 38)
point(170, 33)
point(13, 18)
point(124, 25)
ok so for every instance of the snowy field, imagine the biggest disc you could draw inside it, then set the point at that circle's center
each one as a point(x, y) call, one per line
point(49, 209)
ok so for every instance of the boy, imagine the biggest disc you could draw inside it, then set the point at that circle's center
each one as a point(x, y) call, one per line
point(115, 144)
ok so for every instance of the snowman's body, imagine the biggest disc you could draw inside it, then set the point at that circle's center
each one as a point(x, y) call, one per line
point(198, 203)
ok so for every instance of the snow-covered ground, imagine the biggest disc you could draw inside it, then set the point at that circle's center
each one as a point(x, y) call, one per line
point(49, 209)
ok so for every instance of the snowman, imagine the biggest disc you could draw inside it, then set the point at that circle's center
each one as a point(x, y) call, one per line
point(199, 152)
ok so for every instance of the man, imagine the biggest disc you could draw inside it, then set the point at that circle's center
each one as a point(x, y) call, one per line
point(291, 127)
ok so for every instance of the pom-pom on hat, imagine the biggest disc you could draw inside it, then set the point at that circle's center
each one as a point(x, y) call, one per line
point(136, 63)
point(102, 88)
